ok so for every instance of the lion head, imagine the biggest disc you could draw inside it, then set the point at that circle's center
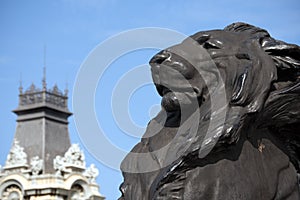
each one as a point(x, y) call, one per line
point(251, 68)
point(239, 86)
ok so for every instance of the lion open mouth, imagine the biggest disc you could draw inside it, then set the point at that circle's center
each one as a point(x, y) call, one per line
point(176, 98)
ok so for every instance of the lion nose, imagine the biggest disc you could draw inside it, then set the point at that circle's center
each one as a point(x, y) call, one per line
point(160, 57)
point(155, 62)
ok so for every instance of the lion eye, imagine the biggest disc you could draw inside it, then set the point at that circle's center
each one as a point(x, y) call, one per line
point(203, 38)
point(160, 57)
point(210, 45)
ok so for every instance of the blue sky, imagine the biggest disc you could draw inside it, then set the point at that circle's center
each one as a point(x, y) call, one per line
point(71, 29)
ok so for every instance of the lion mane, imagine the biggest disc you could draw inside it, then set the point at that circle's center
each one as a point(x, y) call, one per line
point(254, 151)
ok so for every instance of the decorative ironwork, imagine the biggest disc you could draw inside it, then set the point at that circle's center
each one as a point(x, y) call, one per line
point(52, 96)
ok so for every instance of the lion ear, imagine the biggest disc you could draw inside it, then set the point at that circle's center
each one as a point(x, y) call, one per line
point(285, 56)
point(255, 32)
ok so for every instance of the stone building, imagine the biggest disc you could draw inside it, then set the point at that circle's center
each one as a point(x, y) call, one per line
point(42, 164)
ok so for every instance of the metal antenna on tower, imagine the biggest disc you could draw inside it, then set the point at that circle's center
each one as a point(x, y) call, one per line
point(66, 89)
point(21, 84)
point(44, 70)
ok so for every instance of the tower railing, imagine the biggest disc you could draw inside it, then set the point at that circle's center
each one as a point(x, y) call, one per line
point(35, 96)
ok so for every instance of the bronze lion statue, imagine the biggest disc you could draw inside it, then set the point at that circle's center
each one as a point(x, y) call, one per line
point(229, 127)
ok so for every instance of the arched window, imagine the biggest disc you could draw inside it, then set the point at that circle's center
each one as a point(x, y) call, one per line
point(77, 192)
point(12, 192)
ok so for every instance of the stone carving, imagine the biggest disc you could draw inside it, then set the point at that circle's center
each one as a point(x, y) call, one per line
point(16, 156)
point(74, 157)
point(91, 173)
point(59, 165)
point(230, 120)
point(36, 165)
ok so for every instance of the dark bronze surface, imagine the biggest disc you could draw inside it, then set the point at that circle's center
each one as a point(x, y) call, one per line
point(255, 147)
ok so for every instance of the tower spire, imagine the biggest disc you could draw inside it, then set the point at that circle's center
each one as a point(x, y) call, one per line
point(44, 70)
point(66, 89)
point(21, 84)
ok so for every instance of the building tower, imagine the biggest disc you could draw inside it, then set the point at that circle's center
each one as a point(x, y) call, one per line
point(42, 164)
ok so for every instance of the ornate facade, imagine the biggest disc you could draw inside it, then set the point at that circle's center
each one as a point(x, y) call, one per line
point(42, 164)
